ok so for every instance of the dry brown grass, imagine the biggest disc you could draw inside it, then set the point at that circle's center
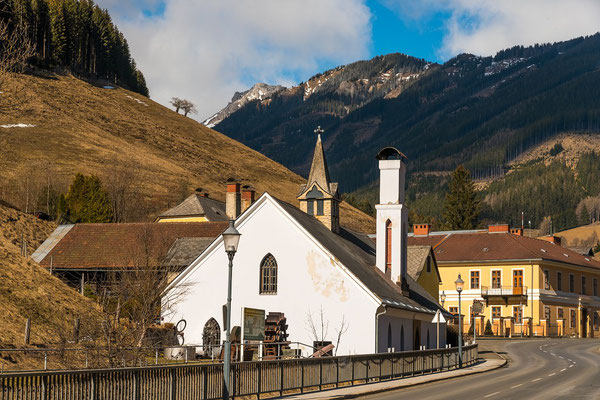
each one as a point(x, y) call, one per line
point(83, 128)
point(29, 291)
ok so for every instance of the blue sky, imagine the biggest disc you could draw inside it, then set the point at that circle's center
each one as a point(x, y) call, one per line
point(205, 50)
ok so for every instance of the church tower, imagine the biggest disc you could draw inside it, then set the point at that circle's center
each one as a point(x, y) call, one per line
point(320, 197)
point(392, 217)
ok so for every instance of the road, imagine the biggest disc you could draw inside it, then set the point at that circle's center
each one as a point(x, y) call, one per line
point(537, 369)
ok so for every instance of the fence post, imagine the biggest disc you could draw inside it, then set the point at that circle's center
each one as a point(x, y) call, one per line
point(337, 372)
point(281, 378)
point(136, 384)
point(45, 387)
point(259, 380)
point(205, 384)
point(27, 330)
point(352, 359)
point(301, 377)
point(232, 388)
point(320, 373)
point(173, 389)
point(94, 389)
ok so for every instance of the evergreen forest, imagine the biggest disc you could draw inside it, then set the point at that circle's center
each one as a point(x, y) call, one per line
point(76, 35)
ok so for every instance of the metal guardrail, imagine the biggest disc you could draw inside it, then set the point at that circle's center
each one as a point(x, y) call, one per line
point(504, 291)
point(205, 381)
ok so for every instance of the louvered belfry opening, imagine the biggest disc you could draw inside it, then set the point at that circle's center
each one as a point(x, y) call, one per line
point(388, 248)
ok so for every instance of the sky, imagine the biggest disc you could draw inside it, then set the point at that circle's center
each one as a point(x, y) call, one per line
point(206, 50)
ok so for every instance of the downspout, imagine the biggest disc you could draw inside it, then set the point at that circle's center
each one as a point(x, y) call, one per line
point(377, 327)
point(531, 305)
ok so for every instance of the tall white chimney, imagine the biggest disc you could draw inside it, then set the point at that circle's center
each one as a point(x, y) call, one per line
point(392, 216)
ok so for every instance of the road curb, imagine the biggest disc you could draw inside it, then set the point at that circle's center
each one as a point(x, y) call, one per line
point(382, 390)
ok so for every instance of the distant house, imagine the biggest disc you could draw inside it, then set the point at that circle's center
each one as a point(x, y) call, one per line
point(533, 286)
point(422, 268)
point(87, 253)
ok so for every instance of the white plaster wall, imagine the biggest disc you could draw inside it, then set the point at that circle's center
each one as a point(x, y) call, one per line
point(398, 215)
point(391, 181)
point(307, 282)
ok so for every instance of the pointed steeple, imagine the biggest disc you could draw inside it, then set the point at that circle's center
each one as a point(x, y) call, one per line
point(319, 173)
point(320, 196)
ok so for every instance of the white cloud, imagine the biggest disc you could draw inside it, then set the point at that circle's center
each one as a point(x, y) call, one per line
point(484, 27)
point(206, 50)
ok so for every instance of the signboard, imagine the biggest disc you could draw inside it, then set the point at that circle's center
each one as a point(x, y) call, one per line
point(438, 318)
point(253, 323)
point(477, 307)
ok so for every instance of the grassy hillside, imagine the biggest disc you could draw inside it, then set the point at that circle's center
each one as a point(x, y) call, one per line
point(72, 126)
point(28, 291)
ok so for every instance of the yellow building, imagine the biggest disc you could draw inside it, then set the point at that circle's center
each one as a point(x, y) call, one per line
point(423, 269)
point(529, 286)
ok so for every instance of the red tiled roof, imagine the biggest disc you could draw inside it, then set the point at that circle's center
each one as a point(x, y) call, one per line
point(498, 246)
point(107, 246)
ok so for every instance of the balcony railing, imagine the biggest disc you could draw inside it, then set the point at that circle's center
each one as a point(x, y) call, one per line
point(504, 291)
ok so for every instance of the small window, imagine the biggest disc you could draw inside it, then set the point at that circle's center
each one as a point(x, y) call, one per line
point(268, 275)
point(496, 279)
point(474, 279)
point(583, 285)
point(496, 312)
point(547, 313)
point(571, 283)
point(320, 203)
point(546, 280)
point(453, 310)
point(388, 247)
point(560, 313)
point(518, 314)
point(559, 281)
point(573, 318)
point(310, 207)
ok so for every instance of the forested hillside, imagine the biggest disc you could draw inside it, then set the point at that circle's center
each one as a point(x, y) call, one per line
point(77, 35)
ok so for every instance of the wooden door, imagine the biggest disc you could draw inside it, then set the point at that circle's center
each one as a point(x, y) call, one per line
point(518, 281)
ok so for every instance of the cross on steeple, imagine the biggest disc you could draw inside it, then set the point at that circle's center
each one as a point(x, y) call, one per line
point(319, 130)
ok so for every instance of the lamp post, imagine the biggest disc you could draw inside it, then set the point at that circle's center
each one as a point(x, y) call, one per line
point(459, 287)
point(231, 239)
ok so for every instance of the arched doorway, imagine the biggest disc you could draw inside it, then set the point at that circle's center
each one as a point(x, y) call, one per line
point(211, 336)
point(428, 339)
point(417, 339)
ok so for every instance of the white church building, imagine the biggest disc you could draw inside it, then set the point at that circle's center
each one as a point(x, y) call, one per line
point(301, 262)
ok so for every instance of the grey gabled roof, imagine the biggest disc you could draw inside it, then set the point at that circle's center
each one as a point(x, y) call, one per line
point(356, 252)
point(55, 237)
point(198, 205)
point(185, 250)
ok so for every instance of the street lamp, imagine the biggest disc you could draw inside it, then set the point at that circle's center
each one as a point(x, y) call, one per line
point(231, 239)
point(443, 298)
point(459, 287)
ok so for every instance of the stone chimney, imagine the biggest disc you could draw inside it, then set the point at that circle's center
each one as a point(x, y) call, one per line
point(552, 239)
point(248, 197)
point(233, 202)
point(517, 231)
point(421, 229)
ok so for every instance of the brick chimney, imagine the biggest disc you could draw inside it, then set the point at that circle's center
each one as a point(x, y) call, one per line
point(499, 228)
point(233, 199)
point(421, 229)
point(248, 196)
point(552, 239)
point(517, 231)
point(201, 192)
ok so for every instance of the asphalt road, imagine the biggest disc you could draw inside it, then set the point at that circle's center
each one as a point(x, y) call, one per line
point(537, 369)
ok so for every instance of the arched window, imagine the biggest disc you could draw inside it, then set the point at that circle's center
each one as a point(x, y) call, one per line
point(315, 195)
point(389, 344)
point(388, 247)
point(211, 335)
point(268, 275)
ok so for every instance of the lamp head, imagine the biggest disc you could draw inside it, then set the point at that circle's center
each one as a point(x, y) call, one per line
point(231, 238)
point(443, 297)
point(459, 284)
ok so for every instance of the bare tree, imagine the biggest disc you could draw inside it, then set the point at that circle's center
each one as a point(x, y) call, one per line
point(122, 183)
point(340, 332)
point(319, 329)
point(546, 226)
point(188, 107)
point(138, 295)
point(15, 50)
point(177, 103)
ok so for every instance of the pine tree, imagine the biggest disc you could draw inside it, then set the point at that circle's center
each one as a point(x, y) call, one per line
point(462, 204)
point(87, 201)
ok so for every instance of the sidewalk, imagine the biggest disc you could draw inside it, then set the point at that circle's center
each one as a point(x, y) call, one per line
point(361, 390)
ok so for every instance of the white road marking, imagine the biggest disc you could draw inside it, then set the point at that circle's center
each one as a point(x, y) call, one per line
point(574, 362)
point(561, 357)
point(552, 374)
point(568, 359)
point(516, 386)
point(553, 354)
point(564, 369)
point(491, 394)
point(571, 366)
point(535, 380)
